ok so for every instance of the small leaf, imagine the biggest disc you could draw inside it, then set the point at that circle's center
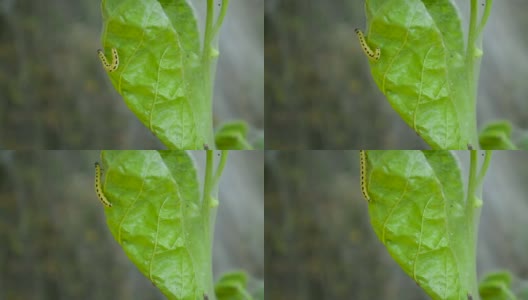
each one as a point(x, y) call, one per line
point(232, 286)
point(496, 286)
point(496, 136)
point(502, 277)
point(232, 136)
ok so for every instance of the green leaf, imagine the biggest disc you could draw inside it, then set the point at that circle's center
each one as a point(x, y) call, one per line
point(417, 210)
point(232, 136)
point(232, 286)
point(161, 75)
point(422, 69)
point(502, 277)
point(158, 219)
point(496, 136)
point(496, 286)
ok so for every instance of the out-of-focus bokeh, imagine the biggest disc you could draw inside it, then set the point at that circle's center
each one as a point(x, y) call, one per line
point(320, 245)
point(54, 242)
point(320, 93)
point(54, 93)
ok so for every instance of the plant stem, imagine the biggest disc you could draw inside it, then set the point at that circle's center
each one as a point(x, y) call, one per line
point(211, 181)
point(472, 183)
point(472, 37)
point(484, 168)
point(208, 180)
point(220, 168)
point(206, 213)
point(485, 16)
point(210, 29)
point(220, 19)
point(470, 67)
point(206, 51)
point(206, 72)
point(472, 217)
point(474, 34)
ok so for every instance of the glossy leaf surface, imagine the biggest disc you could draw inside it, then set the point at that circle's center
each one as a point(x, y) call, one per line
point(422, 69)
point(158, 219)
point(161, 75)
point(417, 210)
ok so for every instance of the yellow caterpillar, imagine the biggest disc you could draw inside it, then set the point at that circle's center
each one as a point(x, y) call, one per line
point(375, 55)
point(98, 188)
point(363, 167)
point(110, 67)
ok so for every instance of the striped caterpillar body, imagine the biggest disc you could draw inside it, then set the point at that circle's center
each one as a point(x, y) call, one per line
point(110, 67)
point(363, 167)
point(98, 188)
point(375, 55)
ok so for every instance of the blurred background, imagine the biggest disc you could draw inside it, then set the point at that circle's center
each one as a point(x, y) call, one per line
point(320, 93)
point(54, 243)
point(320, 245)
point(54, 93)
